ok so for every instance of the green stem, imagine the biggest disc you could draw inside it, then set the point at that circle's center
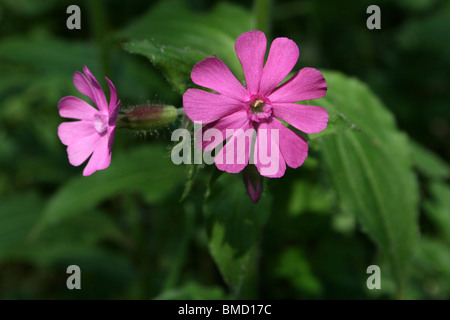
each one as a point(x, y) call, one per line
point(262, 9)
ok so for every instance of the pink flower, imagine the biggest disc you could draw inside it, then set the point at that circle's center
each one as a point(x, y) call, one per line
point(94, 133)
point(259, 106)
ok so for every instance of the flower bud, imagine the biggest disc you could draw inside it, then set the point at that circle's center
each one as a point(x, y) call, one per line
point(147, 117)
point(253, 182)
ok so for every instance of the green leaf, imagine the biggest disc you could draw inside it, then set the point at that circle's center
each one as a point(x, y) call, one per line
point(438, 209)
point(176, 63)
point(74, 236)
point(234, 224)
point(371, 171)
point(429, 164)
point(432, 268)
point(17, 217)
point(173, 24)
point(75, 241)
point(146, 170)
point(19, 214)
point(295, 267)
point(306, 196)
point(108, 272)
point(337, 122)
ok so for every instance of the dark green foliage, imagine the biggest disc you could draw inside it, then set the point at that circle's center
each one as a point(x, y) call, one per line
point(370, 192)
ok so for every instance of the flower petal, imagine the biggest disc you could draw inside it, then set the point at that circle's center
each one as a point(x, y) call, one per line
point(267, 156)
point(309, 119)
point(101, 158)
point(97, 91)
point(75, 108)
point(69, 132)
point(82, 148)
point(251, 49)
point(306, 84)
point(207, 107)
point(113, 95)
point(113, 113)
point(283, 56)
point(112, 135)
point(83, 85)
point(205, 138)
point(234, 156)
point(293, 146)
point(212, 73)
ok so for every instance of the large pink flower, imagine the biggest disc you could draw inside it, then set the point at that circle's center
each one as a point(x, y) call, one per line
point(94, 133)
point(258, 106)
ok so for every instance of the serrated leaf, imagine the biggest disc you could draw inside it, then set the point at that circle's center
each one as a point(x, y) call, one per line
point(234, 224)
point(372, 172)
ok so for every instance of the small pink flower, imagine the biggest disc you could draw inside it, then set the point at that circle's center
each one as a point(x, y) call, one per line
point(260, 105)
point(94, 133)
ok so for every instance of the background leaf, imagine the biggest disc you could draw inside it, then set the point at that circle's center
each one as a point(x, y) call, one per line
point(432, 268)
point(130, 247)
point(234, 225)
point(193, 291)
point(429, 164)
point(176, 63)
point(146, 170)
point(194, 34)
point(42, 53)
point(17, 217)
point(372, 171)
point(438, 209)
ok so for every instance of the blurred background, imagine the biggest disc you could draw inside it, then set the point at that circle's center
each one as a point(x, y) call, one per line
point(126, 228)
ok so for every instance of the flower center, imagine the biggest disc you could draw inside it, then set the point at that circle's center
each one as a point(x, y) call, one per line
point(257, 106)
point(100, 122)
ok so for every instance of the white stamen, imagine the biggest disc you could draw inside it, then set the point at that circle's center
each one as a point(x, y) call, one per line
point(100, 122)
